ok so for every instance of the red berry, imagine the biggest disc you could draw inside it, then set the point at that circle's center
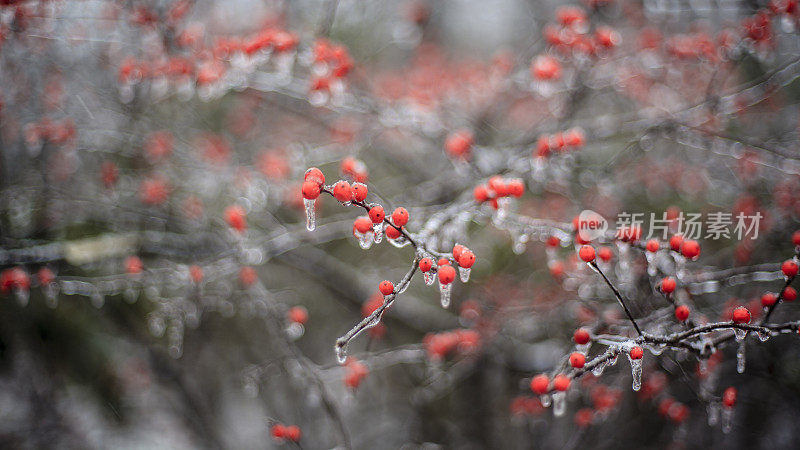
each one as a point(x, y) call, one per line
point(540, 384)
point(293, 433)
point(498, 185)
point(584, 417)
point(480, 193)
point(310, 190)
point(400, 217)
point(636, 352)
point(690, 249)
point(236, 218)
point(789, 268)
point(515, 187)
point(729, 397)
point(561, 382)
point(392, 232)
point(247, 276)
point(196, 272)
point(796, 238)
point(447, 274)
point(315, 175)
point(553, 241)
point(298, 314)
point(581, 336)
point(545, 67)
point(668, 285)
point(682, 313)
point(133, 265)
point(425, 264)
point(675, 242)
point(46, 276)
point(386, 287)
point(278, 431)
point(342, 191)
point(457, 250)
point(376, 214)
point(577, 360)
point(586, 253)
point(789, 294)
point(459, 143)
point(605, 254)
point(362, 225)
point(359, 192)
point(653, 246)
point(768, 299)
point(442, 262)
point(467, 259)
point(741, 315)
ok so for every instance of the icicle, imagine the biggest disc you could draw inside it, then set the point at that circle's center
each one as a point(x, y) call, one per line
point(402, 287)
point(740, 361)
point(50, 295)
point(98, 300)
point(727, 420)
point(651, 266)
point(546, 400)
point(764, 336)
point(463, 273)
point(445, 290)
point(377, 231)
point(583, 348)
point(400, 242)
point(311, 220)
point(559, 403)
point(157, 326)
point(636, 372)
point(740, 334)
point(599, 369)
point(713, 414)
point(131, 295)
point(364, 239)
point(519, 243)
point(429, 277)
point(22, 296)
point(657, 349)
point(341, 353)
point(250, 388)
point(295, 331)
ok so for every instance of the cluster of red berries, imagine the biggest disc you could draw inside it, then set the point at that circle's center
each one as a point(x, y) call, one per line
point(332, 61)
point(463, 256)
point(571, 34)
point(497, 187)
point(355, 372)
point(54, 132)
point(287, 432)
point(541, 384)
point(561, 142)
point(440, 345)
